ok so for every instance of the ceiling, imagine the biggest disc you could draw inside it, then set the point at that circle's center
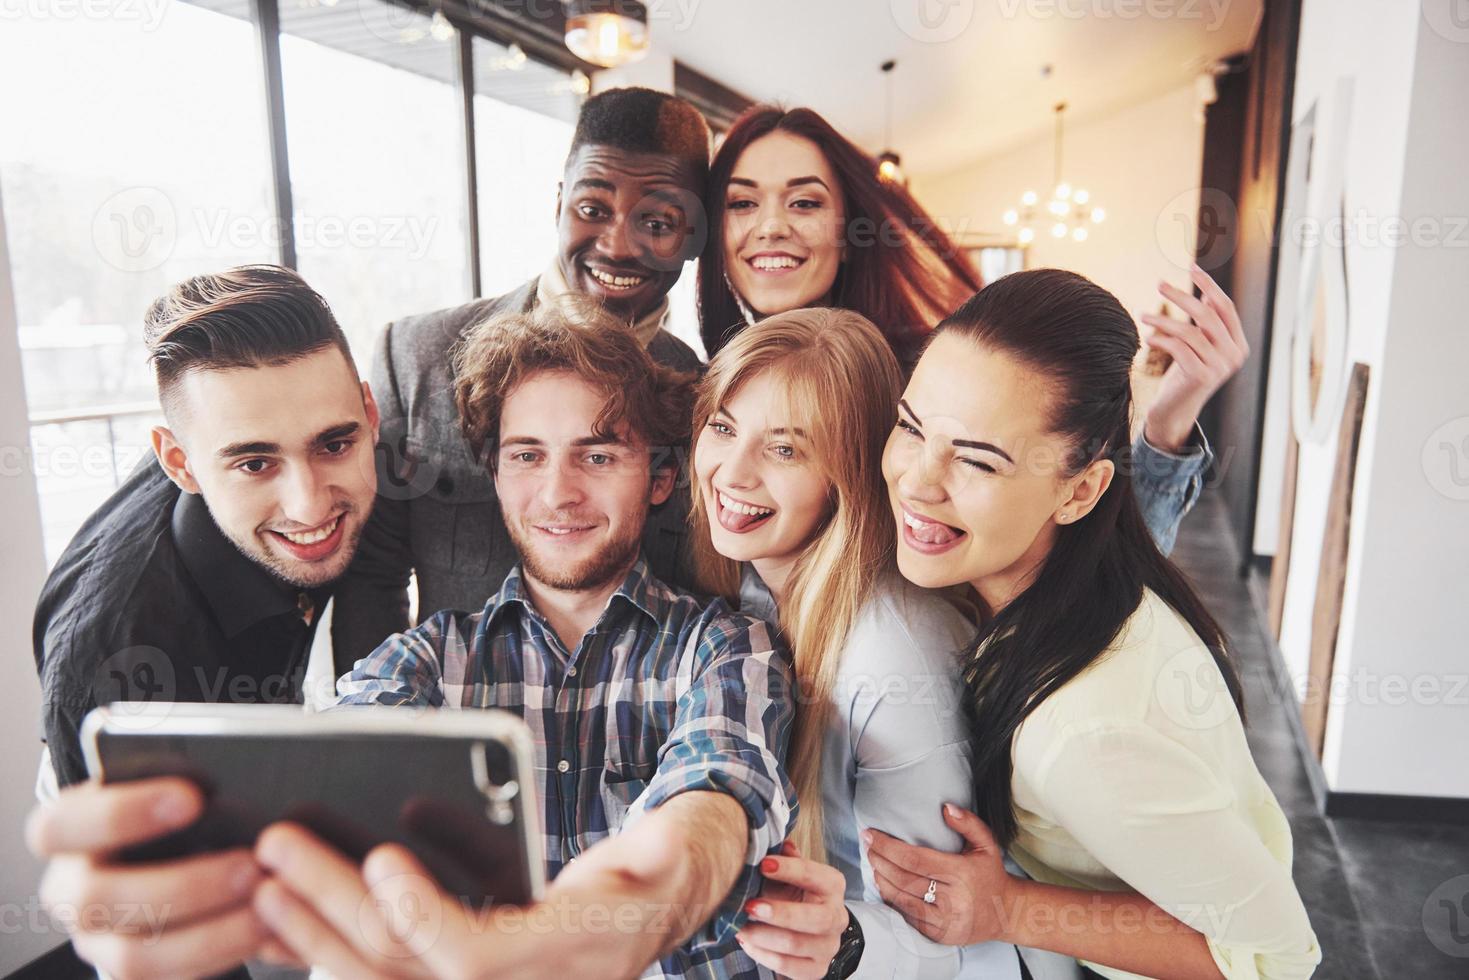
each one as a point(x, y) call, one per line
point(968, 82)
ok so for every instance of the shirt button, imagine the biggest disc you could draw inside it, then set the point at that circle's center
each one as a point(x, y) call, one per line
point(570, 671)
point(563, 766)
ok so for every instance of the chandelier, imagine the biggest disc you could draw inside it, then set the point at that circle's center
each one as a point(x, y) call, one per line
point(1069, 213)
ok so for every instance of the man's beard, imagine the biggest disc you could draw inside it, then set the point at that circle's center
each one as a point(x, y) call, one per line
point(611, 561)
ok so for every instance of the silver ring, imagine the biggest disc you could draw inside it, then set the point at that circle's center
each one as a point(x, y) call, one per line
point(932, 895)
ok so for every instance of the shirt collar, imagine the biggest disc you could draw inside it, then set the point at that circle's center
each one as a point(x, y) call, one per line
point(756, 599)
point(639, 590)
point(239, 591)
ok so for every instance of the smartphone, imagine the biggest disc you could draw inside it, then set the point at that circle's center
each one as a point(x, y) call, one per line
point(457, 788)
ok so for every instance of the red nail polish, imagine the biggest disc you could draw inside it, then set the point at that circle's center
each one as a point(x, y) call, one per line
point(769, 865)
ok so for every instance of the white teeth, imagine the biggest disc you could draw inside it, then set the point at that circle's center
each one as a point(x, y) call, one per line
point(769, 263)
point(912, 521)
point(617, 282)
point(745, 509)
point(312, 537)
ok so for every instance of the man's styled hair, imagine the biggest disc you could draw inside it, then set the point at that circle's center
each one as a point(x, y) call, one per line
point(577, 336)
point(250, 316)
point(642, 120)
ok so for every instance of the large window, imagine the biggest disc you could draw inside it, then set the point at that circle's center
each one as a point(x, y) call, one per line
point(374, 131)
point(524, 114)
point(135, 152)
point(133, 155)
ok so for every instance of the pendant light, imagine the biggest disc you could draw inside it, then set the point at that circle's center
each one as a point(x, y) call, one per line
point(607, 32)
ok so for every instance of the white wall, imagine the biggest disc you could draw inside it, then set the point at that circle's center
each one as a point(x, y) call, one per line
point(20, 715)
point(1399, 715)
point(1142, 164)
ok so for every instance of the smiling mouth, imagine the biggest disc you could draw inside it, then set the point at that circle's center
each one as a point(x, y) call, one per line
point(315, 543)
point(738, 516)
point(563, 530)
point(774, 263)
point(616, 283)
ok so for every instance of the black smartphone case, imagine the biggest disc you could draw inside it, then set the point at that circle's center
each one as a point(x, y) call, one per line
point(455, 802)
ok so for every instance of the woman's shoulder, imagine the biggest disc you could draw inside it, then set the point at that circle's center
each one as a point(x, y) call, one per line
point(902, 620)
point(1143, 676)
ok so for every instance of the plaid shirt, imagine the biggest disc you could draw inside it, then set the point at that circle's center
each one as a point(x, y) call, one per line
point(662, 696)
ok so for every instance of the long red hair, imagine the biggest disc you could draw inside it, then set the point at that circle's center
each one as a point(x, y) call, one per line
point(902, 271)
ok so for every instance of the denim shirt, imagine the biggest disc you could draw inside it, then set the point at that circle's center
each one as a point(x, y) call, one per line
point(1167, 485)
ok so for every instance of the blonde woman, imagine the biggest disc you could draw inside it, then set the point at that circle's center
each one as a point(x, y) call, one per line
point(791, 520)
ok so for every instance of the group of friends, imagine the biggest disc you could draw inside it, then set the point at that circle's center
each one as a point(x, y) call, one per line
point(854, 652)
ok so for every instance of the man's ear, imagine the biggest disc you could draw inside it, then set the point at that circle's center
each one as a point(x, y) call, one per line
point(556, 218)
point(369, 404)
point(173, 459)
point(663, 481)
point(1087, 489)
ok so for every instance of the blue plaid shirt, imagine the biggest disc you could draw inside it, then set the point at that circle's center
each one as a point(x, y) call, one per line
point(662, 696)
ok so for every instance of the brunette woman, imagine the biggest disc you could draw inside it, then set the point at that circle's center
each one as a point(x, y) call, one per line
point(1110, 758)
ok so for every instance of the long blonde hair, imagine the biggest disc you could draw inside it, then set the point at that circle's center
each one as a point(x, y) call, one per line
point(841, 383)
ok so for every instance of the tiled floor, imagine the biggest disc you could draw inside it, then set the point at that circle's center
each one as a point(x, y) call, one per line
point(1366, 884)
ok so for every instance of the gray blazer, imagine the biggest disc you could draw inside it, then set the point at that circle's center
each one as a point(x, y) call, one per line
point(436, 513)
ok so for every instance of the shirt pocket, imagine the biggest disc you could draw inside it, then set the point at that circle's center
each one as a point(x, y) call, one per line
point(635, 734)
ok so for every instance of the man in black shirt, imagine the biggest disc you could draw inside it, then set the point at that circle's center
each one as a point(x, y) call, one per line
point(203, 576)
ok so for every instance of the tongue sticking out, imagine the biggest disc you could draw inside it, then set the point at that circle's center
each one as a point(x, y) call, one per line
point(737, 522)
point(934, 533)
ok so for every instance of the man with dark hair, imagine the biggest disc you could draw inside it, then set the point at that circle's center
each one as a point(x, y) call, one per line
point(629, 214)
point(201, 577)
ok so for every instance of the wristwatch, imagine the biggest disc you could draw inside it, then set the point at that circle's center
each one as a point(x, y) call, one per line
point(849, 953)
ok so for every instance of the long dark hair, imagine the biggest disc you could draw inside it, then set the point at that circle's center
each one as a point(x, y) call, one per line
point(1079, 337)
point(902, 271)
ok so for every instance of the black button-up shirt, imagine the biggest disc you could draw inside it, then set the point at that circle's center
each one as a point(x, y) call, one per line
point(151, 602)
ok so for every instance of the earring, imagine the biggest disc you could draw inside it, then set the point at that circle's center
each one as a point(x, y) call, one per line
point(1065, 518)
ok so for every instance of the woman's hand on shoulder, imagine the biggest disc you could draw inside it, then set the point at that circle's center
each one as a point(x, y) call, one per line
point(796, 923)
point(971, 891)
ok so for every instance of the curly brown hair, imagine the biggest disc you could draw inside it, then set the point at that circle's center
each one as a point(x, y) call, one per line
point(574, 335)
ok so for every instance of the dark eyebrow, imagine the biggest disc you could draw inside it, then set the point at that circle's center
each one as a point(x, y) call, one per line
point(595, 183)
point(336, 432)
point(592, 440)
point(340, 431)
point(967, 443)
point(249, 449)
point(596, 440)
point(793, 182)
